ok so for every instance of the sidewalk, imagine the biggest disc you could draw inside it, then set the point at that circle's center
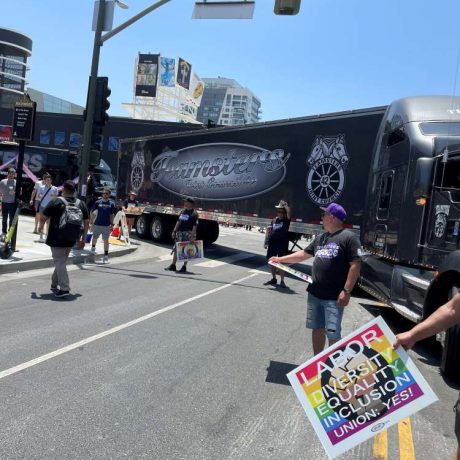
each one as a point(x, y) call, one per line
point(32, 255)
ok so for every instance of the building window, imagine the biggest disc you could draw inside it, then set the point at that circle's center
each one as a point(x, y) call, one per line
point(59, 138)
point(45, 136)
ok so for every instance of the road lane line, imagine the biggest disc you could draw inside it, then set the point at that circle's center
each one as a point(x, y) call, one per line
point(224, 260)
point(380, 446)
point(113, 330)
point(406, 442)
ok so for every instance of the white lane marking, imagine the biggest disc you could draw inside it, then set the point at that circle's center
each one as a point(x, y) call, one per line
point(224, 261)
point(113, 330)
point(165, 257)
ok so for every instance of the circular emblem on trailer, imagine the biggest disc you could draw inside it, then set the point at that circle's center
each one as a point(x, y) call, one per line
point(326, 169)
point(440, 224)
point(137, 171)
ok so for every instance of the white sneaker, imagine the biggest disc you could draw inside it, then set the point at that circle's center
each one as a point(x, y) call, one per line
point(105, 259)
point(41, 239)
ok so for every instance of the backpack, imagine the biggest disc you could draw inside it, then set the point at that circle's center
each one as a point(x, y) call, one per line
point(71, 221)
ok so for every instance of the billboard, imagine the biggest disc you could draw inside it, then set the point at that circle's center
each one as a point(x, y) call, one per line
point(358, 387)
point(147, 74)
point(167, 72)
point(6, 133)
point(184, 72)
point(196, 89)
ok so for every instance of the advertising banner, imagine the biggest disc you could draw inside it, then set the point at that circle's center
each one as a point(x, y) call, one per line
point(196, 89)
point(184, 72)
point(167, 72)
point(6, 133)
point(358, 387)
point(147, 74)
point(188, 250)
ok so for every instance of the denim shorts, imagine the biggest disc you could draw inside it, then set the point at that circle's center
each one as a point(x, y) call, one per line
point(324, 314)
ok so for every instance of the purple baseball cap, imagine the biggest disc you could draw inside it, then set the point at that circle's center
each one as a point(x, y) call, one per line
point(336, 210)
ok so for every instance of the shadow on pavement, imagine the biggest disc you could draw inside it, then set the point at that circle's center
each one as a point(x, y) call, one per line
point(51, 296)
point(277, 372)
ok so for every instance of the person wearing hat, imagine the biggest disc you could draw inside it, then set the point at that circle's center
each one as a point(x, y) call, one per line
point(277, 242)
point(335, 271)
point(184, 230)
point(128, 204)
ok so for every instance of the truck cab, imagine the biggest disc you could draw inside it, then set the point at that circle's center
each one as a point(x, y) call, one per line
point(410, 230)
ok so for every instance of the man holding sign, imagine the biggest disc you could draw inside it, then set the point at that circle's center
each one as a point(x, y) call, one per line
point(184, 230)
point(335, 271)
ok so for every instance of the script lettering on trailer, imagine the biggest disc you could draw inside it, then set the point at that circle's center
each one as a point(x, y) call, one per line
point(220, 171)
point(358, 387)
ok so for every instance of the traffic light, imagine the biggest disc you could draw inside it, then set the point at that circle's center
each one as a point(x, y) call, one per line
point(102, 101)
point(287, 7)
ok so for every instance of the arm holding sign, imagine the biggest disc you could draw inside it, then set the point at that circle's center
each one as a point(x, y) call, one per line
point(293, 258)
point(443, 318)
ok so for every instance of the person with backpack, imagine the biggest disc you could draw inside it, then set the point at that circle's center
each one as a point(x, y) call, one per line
point(46, 192)
point(67, 216)
point(102, 216)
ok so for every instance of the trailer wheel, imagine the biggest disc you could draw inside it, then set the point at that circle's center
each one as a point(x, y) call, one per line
point(208, 231)
point(450, 364)
point(161, 229)
point(142, 226)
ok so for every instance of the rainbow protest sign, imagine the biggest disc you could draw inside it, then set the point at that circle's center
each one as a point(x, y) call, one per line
point(188, 250)
point(358, 387)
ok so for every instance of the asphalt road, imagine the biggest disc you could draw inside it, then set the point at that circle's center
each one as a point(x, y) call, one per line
point(143, 363)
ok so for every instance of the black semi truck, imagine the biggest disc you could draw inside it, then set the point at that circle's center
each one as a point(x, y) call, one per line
point(395, 169)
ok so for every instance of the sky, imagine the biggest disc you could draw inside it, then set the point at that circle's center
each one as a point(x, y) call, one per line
point(334, 55)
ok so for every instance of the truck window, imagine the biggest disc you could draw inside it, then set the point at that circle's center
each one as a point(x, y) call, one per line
point(386, 186)
point(448, 174)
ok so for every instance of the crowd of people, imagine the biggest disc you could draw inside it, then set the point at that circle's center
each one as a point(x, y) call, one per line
point(335, 270)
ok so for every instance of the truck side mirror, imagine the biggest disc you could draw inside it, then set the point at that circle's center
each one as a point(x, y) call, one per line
point(423, 177)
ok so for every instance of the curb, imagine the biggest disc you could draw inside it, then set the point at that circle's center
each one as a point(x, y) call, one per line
point(47, 263)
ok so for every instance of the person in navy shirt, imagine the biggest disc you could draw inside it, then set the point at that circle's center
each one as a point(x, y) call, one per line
point(102, 216)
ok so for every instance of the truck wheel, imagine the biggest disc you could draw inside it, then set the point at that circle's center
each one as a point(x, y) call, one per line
point(208, 231)
point(142, 226)
point(161, 229)
point(450, 364)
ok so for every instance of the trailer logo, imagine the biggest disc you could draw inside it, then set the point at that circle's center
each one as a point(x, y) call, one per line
point(440, 224)
point(137, 171)
point(327, 163)
point(220, 171)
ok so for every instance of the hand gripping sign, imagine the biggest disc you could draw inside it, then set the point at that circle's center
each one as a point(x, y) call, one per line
point(187, 250)
point(359, 386)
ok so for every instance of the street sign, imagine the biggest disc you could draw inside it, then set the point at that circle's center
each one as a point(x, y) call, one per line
point(24, 121)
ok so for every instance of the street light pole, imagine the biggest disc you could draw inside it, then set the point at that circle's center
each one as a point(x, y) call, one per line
point(91, 102)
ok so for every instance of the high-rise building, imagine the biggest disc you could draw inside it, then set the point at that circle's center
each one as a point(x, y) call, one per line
point(228, 103)
point(15, 48)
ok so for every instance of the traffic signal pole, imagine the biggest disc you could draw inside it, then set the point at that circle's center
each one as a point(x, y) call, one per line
point(91, 103)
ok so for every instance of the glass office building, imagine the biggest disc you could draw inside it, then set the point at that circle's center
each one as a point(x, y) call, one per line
point(228, 103)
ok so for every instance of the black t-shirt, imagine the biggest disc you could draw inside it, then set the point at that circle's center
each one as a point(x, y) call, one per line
point(280, 230)
point(54, 211)
point(333, 253)
point(128, 203)
point(188, 218)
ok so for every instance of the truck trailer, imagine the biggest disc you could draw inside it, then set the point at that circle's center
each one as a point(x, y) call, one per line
point(395, 169)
